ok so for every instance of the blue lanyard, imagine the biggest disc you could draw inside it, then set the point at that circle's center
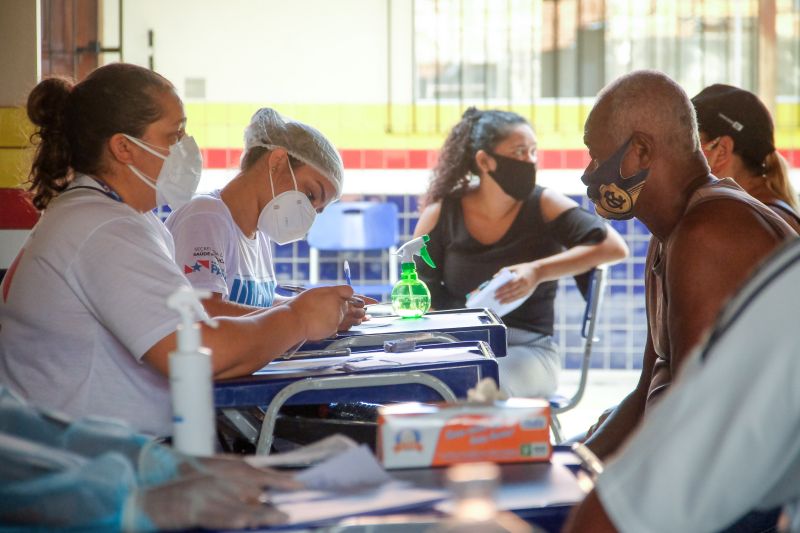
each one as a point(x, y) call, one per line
point(105, 189)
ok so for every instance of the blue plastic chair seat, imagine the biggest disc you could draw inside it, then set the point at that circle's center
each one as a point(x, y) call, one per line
point(355, 226)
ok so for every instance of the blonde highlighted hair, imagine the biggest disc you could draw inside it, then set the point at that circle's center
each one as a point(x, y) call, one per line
point(776, 174)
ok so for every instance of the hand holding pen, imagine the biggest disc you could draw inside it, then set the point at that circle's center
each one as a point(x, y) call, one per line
point(299, 289)
point(355, 313)
point(320, 311)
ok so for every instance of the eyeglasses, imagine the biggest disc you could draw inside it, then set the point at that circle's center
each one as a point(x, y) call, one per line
point(710, 145)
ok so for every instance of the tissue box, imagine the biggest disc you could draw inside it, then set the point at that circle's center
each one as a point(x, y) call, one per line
point(412, 435)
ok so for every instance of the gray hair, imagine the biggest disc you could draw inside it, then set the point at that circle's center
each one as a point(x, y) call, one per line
point(650, 101)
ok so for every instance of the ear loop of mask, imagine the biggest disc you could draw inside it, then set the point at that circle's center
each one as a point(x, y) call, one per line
point(139, 174)
point(272, 183)
point(144, 145)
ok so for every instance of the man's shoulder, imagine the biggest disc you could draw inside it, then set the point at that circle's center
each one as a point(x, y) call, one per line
point(721, 219)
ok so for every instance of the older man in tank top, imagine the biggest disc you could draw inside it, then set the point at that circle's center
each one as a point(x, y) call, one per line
point(708, 234)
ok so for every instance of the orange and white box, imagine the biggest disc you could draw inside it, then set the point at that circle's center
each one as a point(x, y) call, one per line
point(412, 435)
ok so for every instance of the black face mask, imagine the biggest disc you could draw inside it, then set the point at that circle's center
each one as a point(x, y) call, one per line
point(516, 178)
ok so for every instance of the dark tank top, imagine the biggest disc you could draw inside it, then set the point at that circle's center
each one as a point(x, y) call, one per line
point(463, 263)
point(656, 266)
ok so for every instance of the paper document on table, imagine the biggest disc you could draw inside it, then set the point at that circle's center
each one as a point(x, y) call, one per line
point(306, 455)
point(349, 484)
point(353, 469)
point(484, 297)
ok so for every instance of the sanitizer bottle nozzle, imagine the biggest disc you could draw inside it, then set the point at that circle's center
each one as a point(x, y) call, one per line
point(410, 296)
point(414, 247)
point(186, 301)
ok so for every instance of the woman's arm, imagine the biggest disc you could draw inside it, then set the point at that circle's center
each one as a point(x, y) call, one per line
point(242, 345)
point(432, 277)
point(577, 258)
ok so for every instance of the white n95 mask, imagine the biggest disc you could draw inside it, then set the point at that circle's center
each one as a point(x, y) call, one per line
point(180, 174)
point(287, 217)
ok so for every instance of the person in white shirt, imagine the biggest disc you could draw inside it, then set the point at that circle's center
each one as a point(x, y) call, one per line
point(726, 438)
point(84, 325)
point(223, 239)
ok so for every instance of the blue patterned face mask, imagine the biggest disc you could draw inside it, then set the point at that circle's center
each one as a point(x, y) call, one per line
point(613, 194)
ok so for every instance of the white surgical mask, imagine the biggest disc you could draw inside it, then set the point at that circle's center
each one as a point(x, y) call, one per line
point(180, 173)
point(287, 217)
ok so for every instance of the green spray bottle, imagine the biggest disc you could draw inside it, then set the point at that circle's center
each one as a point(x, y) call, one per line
point(410, 296)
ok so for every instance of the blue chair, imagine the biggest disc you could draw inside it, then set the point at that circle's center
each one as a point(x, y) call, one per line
point(355, 226)
point(593, 294)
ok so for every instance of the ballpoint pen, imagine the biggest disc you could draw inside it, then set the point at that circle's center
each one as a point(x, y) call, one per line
point(297, 289)
point(347, 278)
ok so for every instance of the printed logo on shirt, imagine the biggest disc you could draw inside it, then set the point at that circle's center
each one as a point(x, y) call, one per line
point(252, 292)
point(206, 258)
point(205, 264)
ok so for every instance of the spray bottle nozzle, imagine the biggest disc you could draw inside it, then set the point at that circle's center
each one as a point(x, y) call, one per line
point(416, 247)
point(186, 301)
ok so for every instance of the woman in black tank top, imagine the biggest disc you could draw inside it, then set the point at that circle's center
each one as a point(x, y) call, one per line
point(507, 221)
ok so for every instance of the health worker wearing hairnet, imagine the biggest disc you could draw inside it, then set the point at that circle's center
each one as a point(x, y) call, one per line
point(289, 173)
point(84, 322)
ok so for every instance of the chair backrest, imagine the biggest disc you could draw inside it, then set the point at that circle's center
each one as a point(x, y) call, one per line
point(355, 226)
point(592, 287)
point(594, 297)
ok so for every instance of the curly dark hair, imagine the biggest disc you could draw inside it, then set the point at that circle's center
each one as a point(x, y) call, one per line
point(73, 121)
point(477, 130)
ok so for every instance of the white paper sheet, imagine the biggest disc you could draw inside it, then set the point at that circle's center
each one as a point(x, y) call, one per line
point(356, 468)
point(485, 296)
point(349, 484)
point(306, 455)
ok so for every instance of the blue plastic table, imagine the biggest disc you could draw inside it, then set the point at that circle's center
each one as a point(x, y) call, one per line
point(430, 373)
point(435, 327)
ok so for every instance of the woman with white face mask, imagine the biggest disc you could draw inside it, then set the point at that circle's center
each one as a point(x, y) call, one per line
point(289, 173)
point(84, 325)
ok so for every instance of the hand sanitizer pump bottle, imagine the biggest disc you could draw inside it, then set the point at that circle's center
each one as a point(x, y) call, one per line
point(190, 380)
point(410, 296)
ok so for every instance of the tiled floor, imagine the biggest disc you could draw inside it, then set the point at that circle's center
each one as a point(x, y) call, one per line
point(605, 388)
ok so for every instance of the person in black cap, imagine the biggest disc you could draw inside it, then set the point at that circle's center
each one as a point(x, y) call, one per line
point(738, 139)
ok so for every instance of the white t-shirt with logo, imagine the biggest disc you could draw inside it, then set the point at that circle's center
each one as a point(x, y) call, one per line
point(726, 438)
point(83, 302)
point(215, 255)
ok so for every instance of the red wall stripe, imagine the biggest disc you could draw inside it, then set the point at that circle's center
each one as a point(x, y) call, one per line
point(425, 159)
point(16, 211)
point(405, 159)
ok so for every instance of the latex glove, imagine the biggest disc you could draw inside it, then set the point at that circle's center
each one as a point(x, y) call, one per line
point(204, 501)
point(523, 286)
point(235, 468)
point(356, 312)
point(319, 311)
